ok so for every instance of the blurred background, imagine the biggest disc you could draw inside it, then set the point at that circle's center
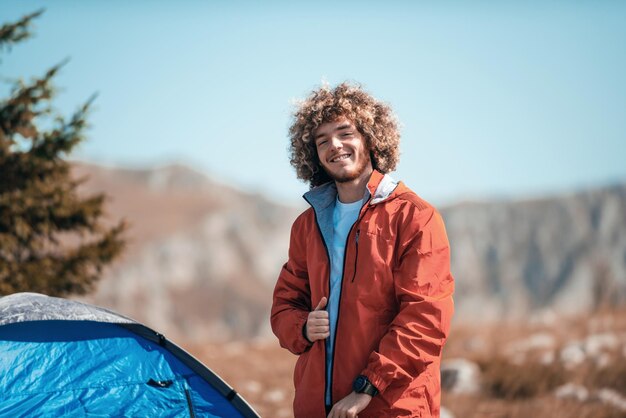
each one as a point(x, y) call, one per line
point(513, 125)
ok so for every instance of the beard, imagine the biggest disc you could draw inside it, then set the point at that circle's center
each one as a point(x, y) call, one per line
point(357, 172)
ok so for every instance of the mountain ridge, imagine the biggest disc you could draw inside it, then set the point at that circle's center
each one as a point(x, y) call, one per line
point(203, 257)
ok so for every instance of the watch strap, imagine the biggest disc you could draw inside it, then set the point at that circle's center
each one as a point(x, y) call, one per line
point(363, 385)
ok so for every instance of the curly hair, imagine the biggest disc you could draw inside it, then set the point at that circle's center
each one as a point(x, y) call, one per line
point(374, 120)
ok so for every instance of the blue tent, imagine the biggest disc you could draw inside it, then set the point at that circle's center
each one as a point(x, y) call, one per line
point(62, 358)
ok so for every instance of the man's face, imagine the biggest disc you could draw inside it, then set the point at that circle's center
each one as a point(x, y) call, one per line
point(342, 150)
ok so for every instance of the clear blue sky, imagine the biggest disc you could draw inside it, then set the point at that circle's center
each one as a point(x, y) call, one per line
point(506, 99)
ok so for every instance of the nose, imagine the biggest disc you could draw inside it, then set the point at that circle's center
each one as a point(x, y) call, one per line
point(335, 142)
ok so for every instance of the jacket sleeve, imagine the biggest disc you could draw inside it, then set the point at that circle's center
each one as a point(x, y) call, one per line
point(292, 295)
point(423, 288)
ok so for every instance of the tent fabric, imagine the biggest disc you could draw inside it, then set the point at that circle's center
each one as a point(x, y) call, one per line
point(37, 307)
point(106, 365)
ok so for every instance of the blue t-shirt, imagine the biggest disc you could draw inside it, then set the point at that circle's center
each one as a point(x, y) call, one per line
point(344, 216)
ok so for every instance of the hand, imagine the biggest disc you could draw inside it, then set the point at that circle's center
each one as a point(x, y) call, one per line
point(317, 325)
point(350, 406)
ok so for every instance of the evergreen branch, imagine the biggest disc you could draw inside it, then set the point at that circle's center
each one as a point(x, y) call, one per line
point(11, 33)
point(51, 238)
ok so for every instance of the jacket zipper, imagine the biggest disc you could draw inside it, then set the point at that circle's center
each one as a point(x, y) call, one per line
point(332, 364)
point(327, 255)
point(356, 255)
point(345, 251)
point(329, 385)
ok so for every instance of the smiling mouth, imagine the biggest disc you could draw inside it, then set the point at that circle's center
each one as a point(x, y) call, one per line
point(340, 158)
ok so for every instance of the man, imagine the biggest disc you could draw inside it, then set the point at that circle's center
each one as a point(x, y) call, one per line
point(365, 298)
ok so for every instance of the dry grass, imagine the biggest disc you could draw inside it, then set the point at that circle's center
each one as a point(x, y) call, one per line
point(613, 376)
point(503, 379)
point(262, 372)
point(542, 407)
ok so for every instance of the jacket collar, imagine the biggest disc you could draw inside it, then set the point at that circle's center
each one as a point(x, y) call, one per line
point(374, 182)
point(379, 187)
point(323, 198)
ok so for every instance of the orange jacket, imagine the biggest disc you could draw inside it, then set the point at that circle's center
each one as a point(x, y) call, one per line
point(395, 306)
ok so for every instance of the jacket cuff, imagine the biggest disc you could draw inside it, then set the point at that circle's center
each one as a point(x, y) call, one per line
point(302, 342)
point(375, 380)
point(304, 332)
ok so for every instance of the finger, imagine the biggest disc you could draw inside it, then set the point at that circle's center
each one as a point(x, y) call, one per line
point(322, 304)
point(318, 315)
point(320, 329)
point(332, 413)
point(319, 335)
point(319, 322)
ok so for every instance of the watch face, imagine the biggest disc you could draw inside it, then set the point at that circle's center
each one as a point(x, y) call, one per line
point(359, 384)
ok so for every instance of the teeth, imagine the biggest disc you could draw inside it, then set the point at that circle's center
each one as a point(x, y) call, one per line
point(341, 157)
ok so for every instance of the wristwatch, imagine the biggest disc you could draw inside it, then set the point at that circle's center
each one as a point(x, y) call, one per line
point(362, 385)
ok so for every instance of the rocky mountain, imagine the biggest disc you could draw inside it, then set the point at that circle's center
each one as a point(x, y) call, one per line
point(203, 257)
point(554, 255)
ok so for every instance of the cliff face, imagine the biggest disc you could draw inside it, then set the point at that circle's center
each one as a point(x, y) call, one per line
point(564, 254)
point(203, 257)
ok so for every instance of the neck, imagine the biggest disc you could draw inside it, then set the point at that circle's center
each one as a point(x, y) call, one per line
point(354, 190)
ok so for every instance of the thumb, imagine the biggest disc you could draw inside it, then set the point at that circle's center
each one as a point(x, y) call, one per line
point(322, 304)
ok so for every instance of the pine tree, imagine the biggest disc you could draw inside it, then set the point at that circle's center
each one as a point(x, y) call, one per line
point(52, 240)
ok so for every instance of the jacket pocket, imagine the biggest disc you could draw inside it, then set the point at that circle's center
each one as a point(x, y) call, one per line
point(373, 258)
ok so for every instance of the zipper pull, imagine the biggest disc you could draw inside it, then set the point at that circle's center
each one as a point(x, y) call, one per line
point(356, 255)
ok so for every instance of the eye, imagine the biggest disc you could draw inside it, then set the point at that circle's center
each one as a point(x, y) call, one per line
point(346, 134)
point(322, 142)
